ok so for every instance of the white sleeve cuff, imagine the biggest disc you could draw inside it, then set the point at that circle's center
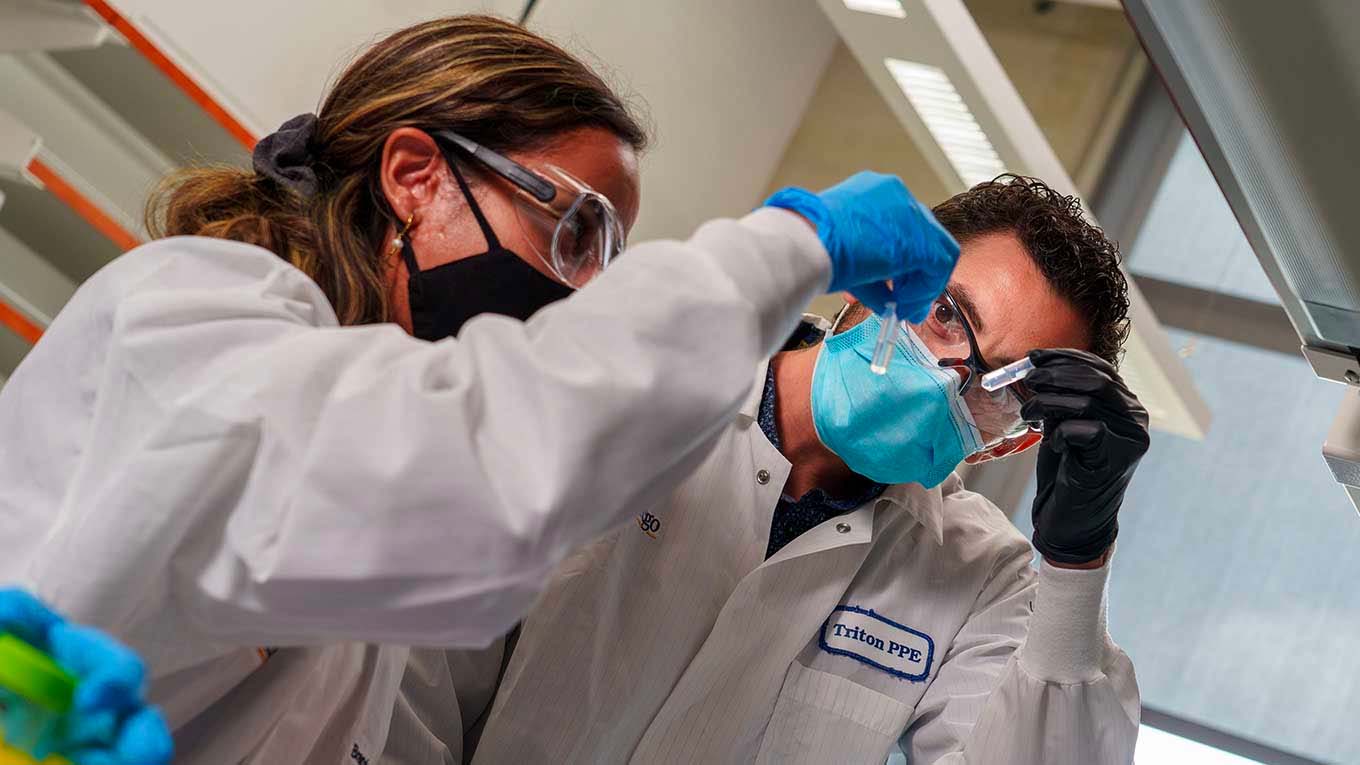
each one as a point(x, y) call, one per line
point(1068, 641)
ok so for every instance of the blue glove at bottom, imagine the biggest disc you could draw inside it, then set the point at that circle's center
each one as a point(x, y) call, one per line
point(874, 230)
point(109, 722)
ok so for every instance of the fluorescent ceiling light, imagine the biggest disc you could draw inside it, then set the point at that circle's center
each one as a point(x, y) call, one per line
point(891, 8)
point(946, 116)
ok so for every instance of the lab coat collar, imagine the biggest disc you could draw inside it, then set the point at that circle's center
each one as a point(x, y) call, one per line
point(853, 528)
point(926, 505)
point(750, 408)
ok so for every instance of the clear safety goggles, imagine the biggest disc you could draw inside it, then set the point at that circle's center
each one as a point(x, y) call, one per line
point(580, 225)
point(948, 335)
point(585, 234)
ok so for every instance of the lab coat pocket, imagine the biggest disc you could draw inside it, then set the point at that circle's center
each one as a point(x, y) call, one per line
point(821, 717)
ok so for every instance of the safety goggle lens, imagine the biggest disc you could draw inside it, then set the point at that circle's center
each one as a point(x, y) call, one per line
point(584, 241)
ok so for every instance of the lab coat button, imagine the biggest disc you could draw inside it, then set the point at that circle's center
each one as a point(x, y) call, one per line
point(762, 477)
point(843, 528)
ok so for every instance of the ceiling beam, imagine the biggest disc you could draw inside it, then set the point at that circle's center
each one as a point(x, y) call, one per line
point(177, 75)
point(1113, 5)
point(115, 170)
point(83, 198)
point(84, 144)
point(23, 156)
point(18, 145)
point(1219, 314)
point(28, 25)
point(31, 290)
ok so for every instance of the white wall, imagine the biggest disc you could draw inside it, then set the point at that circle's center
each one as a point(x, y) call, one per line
point(268, 60)
point(725, 83)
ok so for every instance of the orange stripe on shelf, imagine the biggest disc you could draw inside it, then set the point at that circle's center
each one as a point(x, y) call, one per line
point(181, 80)
point(18, 323)
point(82, 205)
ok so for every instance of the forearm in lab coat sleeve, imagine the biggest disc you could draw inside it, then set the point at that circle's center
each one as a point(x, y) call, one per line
point(421, 493)
point(1063, 694)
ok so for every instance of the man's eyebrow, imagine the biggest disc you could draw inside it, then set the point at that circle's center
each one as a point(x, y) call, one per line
point(965, 300)
point(970, 312)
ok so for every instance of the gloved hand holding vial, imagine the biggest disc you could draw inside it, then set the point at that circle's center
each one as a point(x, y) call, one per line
point(860, 236)
point(70, 693)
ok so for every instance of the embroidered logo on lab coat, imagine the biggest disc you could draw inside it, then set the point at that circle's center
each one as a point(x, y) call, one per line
point(650, 524)
point(879, 642)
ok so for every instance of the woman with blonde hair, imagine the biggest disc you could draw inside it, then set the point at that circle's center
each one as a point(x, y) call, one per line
point(342, 407)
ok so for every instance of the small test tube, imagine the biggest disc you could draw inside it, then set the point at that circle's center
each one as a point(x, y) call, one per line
point(1011, 373)
point(887, 335)
point(35, 695)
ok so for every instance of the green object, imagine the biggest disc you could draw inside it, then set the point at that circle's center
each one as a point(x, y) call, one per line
point(35, 695)
point(32, 675)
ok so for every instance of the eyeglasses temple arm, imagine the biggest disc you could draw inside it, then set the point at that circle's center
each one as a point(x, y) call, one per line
point(506, 168)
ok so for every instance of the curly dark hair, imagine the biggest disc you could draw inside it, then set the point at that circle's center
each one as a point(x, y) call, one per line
point(1074, 255)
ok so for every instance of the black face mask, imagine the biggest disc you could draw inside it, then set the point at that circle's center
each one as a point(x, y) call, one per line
point(497, 281)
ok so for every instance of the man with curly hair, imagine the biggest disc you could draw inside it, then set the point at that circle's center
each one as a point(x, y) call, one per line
point(823, 588)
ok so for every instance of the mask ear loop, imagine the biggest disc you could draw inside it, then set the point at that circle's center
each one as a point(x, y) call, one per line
point(404, 242)
point(488, 233)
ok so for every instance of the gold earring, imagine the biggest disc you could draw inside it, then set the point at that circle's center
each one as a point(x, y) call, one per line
point(398, 241)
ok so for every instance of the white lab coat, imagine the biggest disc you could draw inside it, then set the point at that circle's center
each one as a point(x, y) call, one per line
point(675, 641)
point(199, 460)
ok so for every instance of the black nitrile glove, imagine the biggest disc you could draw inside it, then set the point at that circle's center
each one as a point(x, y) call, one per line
point(1095, 431)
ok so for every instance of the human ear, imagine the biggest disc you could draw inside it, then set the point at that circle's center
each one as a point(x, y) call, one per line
point(410, 171)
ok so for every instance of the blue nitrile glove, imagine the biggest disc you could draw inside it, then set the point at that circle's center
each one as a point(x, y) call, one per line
point(110, 723)
point(875, 230)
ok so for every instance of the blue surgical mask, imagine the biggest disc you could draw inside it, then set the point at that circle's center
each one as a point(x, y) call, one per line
point(907, 426)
